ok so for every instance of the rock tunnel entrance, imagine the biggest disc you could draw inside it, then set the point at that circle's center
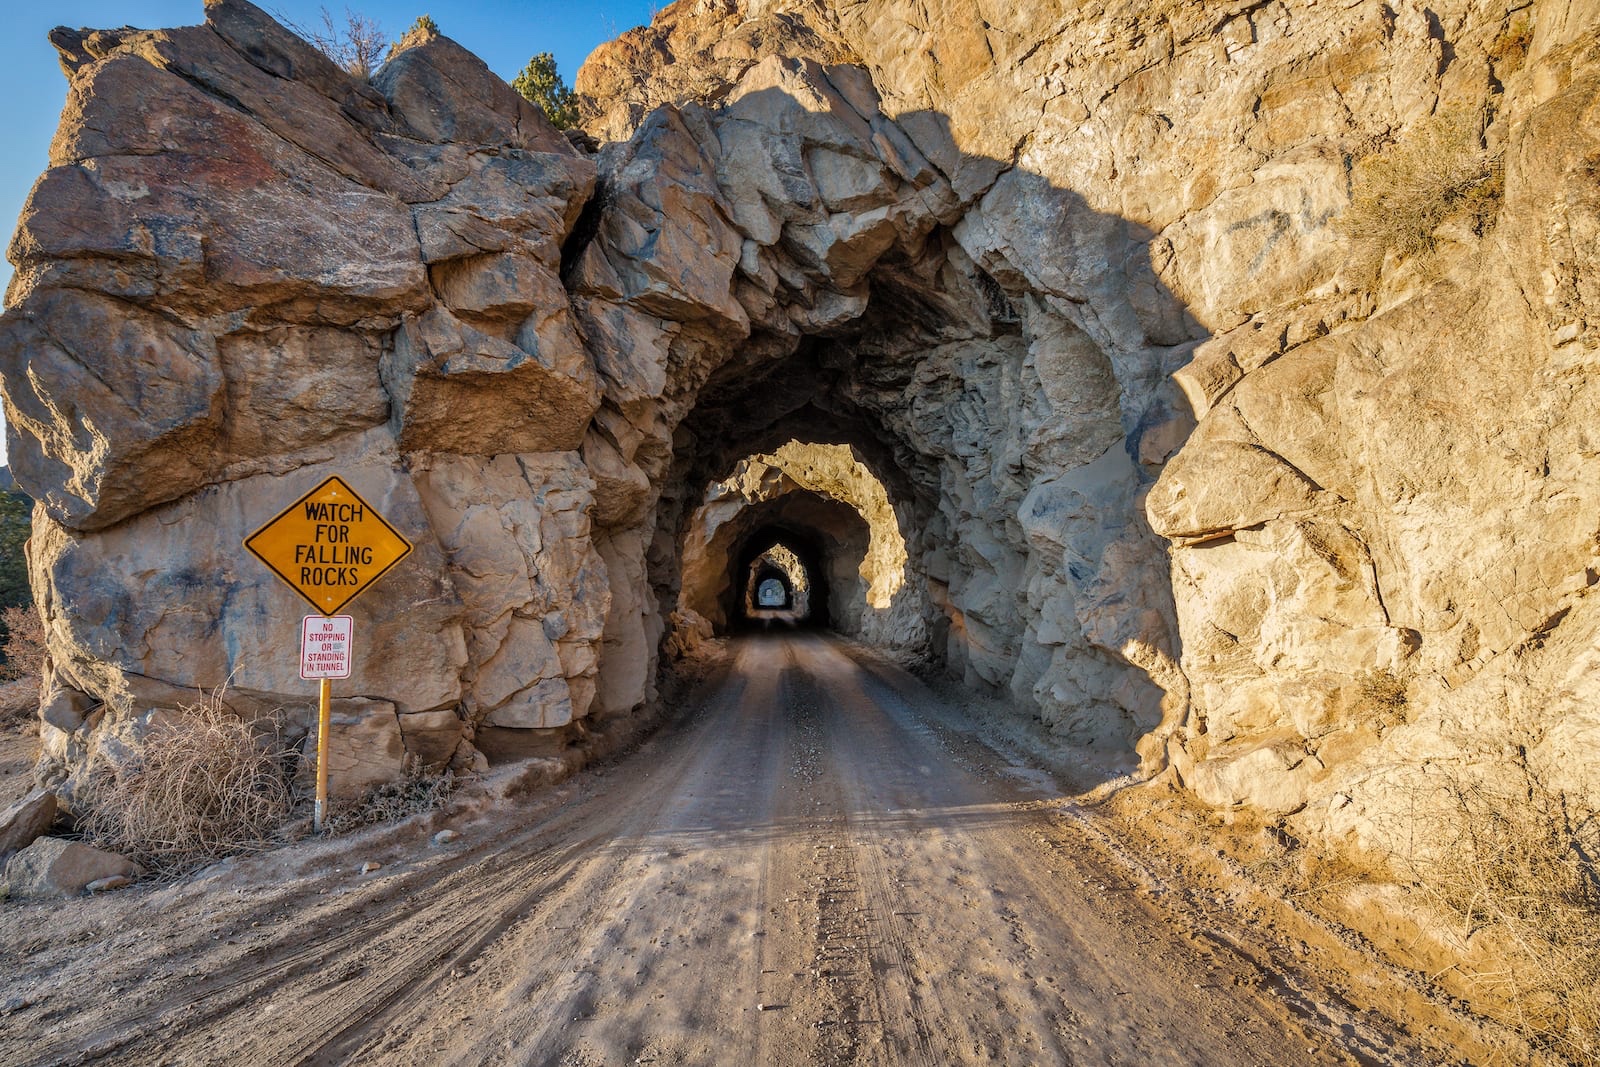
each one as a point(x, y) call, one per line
point(809, 518)
point(584, 384)
point(784, 580)
point(535, 359)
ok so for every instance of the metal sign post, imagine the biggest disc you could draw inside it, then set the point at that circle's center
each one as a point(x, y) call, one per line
point(324, 655)
point(328, 546)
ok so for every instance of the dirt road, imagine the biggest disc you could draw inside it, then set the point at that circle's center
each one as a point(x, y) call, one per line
point(813, 867)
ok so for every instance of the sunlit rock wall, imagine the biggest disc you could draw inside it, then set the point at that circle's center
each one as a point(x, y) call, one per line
point(1382, 535)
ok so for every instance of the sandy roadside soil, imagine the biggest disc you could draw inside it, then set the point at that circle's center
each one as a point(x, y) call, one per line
point(818, 862)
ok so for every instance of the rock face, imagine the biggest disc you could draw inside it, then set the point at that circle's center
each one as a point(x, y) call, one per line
point(1226, 369)
point(1270, 294)
point(244, 270)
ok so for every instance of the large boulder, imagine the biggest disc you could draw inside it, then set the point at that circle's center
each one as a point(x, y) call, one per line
point(27, 819)
point(52, 868)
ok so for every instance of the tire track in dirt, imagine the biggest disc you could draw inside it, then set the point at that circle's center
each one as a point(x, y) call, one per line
point(635, 871)
point(348, 960)
point(214, 999)
point(856, 907)
point(1020, 977)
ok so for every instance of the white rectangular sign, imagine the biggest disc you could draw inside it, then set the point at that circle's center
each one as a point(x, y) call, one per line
point(325, 646)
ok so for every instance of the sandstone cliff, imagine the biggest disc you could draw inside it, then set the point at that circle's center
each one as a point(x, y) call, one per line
point(1184, 461)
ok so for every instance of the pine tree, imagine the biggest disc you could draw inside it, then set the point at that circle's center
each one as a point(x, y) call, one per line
point(541, 85)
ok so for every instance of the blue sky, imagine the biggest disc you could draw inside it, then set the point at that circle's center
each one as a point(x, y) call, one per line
point(502, 32)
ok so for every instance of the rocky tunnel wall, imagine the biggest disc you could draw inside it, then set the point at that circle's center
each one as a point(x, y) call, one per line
point(1011, 279)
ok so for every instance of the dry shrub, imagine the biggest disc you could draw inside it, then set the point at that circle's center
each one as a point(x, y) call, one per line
point(1401, 195)
point(1383, 695)
point(24, 647)
point(1510, 49)
point(23, 662)
point(195, 788)
point(1518, 865)
point(418, 793)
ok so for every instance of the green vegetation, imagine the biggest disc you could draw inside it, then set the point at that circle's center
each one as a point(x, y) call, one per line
point(21, 634)
point(541, 85)
point(1438, 172)
point(16, 523)
point(420, 31)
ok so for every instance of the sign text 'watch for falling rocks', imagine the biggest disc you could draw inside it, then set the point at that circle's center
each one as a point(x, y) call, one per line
point(329, 545)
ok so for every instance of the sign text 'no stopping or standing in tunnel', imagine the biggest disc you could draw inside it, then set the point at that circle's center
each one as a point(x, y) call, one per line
point(329, 545)
point(325, 646)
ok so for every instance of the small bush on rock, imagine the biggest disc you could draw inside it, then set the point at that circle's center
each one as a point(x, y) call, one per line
point(416, 794)
point(1400, 196)
point(1384, 695)
point(197, 787)
point(1510, 50)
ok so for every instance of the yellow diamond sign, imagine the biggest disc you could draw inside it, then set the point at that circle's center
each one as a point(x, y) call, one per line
point(329, 546)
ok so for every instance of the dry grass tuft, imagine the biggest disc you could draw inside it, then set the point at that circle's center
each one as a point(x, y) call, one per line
point(21, 664)
point(1401, 195)
point(1518, 865)
point(24, 643)
point(1510, 50)
point(418, 793)
point(197, 787)
point(1383, 694)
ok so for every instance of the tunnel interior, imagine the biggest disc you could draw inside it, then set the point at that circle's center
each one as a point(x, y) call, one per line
point(809, 433)
point(792, 559)
point(811, 517)
point(955, 391)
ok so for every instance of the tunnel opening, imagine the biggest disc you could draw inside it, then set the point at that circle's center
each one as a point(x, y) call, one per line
point(814, 518)
point(993, 420)
point(792, 561)
point(771, 590)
